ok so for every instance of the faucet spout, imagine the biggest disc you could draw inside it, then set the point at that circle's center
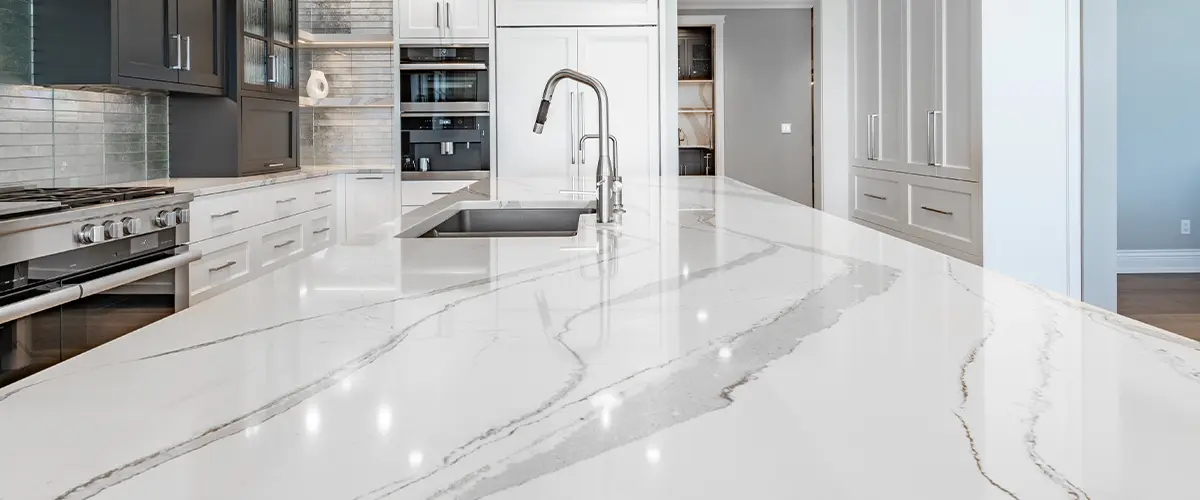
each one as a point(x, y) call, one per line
point(606, 173)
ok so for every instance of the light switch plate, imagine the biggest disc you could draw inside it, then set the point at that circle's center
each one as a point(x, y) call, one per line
point(785, 128)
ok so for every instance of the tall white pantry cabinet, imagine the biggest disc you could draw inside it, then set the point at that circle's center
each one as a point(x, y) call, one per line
point(618, 44)
point(916, 121)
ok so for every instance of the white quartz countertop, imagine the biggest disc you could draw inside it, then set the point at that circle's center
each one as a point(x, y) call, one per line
point(204, 186)
point(722, 343)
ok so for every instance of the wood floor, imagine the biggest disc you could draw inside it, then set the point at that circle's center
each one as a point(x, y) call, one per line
point(1168, 301)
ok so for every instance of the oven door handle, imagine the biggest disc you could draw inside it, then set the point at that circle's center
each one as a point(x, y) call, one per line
point(101, 285)
point(40, 303)
point(443, 67)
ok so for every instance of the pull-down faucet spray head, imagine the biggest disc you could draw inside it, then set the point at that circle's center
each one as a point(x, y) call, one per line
point(543, 111)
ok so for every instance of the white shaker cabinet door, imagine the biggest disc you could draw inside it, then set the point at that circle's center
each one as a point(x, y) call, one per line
point(467, 18)
point(525, 59)
point(893, 68)
point(370, 200)
point(865, 66)
point(958, 124)
point(576, 12)
point(421, 18)
point(625, 60)
point(922, 87)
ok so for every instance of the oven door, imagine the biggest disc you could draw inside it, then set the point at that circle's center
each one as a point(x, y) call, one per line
point(444, 79)
point(54, 320)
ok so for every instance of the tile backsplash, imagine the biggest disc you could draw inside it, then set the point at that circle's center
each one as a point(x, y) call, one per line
point(349, 135)
point(346, 16)
point(51, 137)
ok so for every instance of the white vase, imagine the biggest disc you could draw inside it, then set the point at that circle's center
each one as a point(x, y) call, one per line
point(318, 86)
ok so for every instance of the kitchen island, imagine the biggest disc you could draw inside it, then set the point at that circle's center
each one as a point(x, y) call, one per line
point(720, 343)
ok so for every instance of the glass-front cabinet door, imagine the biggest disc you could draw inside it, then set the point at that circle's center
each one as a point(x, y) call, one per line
point(269, 46)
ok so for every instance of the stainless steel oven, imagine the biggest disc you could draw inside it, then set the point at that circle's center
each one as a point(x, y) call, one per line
point(73, 280)
point(444, 79)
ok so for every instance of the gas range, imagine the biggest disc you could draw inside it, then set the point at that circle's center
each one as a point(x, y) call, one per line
point(82, 266)
point(35, 222)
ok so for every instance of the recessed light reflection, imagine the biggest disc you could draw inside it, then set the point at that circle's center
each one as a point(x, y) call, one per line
point(304, 291)
point(702, 316)
point(605, 402)
point(416, 458)
point(725, 353)
point(653, 455)
point(383, 419)
point(348, 383)
point(312, 420)
point(685, 271)
point(251, 431)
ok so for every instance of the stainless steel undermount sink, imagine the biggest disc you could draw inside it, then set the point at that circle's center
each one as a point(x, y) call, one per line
point(504, 223)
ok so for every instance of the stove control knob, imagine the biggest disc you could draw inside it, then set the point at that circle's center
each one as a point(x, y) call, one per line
point(113, 229)
point(183, 215)
point(89, 234)
point(165, 218)
point(131, 225)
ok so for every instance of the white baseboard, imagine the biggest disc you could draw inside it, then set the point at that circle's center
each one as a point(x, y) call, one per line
point(1158, 261)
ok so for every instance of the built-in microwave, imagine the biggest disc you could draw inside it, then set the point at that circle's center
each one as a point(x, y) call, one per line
point(452, 142)
point(444, 79)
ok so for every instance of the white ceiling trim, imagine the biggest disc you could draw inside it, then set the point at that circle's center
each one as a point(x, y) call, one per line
point(753, 4)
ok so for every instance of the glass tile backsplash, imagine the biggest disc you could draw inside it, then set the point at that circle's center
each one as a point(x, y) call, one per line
point(51, 137)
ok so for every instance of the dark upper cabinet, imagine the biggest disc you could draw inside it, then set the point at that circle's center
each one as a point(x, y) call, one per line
point(230, 137)
point(165, 45)
point(270, 135)
point(695, 54)
point(266, 51)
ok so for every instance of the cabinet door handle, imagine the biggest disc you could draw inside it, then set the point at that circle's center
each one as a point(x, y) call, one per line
point(930, 159)
point(369, 178)
point(875, 197)
point(187, 65)
point(319, 231)
point(449, 23)
point(287, 200)
point(438, 6)
point(582, 131)
point(570, 122)
point(937, 144)
point(274, 165)
point(274, 71)
point(178, 52)
point(936, 211)
point(327, 191)
point(443, 193)
point(284, 244)
point(226, 214)
point(223, 267)
point(870, 137)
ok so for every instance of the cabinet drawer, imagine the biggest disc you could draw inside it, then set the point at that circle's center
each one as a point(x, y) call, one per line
point(324, 191)
point(419, 193)
point(320, 229)
point(225, 260)
point(285, 200)
point(225, 213)
point(945, 212)
point(878, 197)
point(282, 241)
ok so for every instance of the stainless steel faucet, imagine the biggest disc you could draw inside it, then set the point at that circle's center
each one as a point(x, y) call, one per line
point(607, 183)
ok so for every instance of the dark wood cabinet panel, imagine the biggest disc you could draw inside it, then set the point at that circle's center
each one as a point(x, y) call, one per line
point(137, 44)
point(202, 31)
point(270, 135)
point(148, 41)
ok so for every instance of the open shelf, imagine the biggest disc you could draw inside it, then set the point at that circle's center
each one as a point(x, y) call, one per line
point(318, 40)
point(347, 102)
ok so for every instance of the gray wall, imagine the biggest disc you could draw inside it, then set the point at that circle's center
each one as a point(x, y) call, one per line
point(1158, 105)
point(768, 67)
point(71, 138)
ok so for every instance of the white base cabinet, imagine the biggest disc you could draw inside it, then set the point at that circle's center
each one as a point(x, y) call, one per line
point(576, 12)
point(945, 212)
point(369, 202)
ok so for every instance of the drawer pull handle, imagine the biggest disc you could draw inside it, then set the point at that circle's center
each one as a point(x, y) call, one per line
point(936, 211)
point(289, 200)
point(284, 244)
point(274, 165)
point(223, 267)
point(327, 191)
point(319, 231)
point(443, 193)
point(369, 178)
point(875, 197)
point(226, 214)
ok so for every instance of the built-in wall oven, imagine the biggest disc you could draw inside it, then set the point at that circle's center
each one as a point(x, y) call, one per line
point(444, 79)
point(103, 272)
point(444, 108)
